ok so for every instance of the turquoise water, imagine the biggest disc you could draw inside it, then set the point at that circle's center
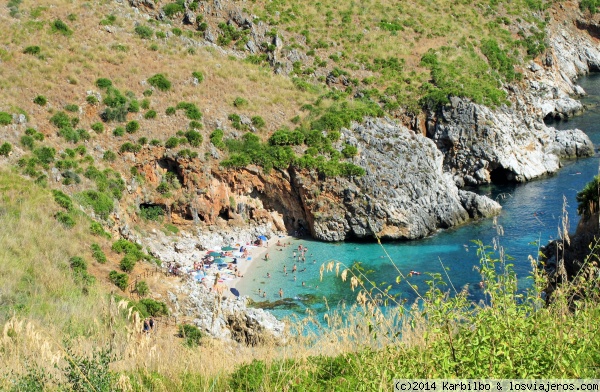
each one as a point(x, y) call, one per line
point(531, 216)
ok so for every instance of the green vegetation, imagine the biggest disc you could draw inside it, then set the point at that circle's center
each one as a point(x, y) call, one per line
point(5, 149)
point(587, 198)
point(60, 27)
point(40, 100)
point(160, 82)
point(141, 288)
point(144, 32)
point(121, 280)
point(101, 203)
point(590, 5)
point(5, 118)
point(98, 254)
point(192, 335)
point(152, 213)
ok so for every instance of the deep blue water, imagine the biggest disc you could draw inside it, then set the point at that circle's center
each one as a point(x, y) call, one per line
point(531, 216)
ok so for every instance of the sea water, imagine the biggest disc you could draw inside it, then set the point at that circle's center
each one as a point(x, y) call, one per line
point(531, 216)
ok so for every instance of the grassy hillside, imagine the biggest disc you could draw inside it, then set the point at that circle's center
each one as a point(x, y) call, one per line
point(101, 86)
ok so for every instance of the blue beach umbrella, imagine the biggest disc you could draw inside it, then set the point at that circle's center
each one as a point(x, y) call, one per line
point(262, 238)
point(234, 291)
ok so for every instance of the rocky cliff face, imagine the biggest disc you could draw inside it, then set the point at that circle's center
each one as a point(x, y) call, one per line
point(512, 143)
point(405, 193)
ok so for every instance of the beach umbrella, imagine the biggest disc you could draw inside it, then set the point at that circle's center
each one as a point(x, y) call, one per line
point(234, 291)
point(262, 238)
point(228, 248)
point(214, 254)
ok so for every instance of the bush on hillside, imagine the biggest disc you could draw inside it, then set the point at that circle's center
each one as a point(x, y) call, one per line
point(5, 149)
point(98, 254)
point(5, 118)
point(160, 82)
point(121, 280)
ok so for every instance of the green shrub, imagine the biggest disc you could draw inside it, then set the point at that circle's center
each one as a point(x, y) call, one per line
point(143, 141)
point(194, 138)
point(191, 110)
point(192, 335)
point(60, 27)
point(240, 102)
point(160, 82)
point(142, 288)
point(100, 202)
point(124, 246)
point(71, 108)
point(98, 127)
point(186, 153)
point(5, 118)
point(120, 280)
point(591, 5)
point(62, 200)
point(92, 100)
point(173, 9)
point(132, 126)
point(134, 106)
point(170, 111)
point(145, 104)
point(153, 213)
point(144, 32)
point(128, 262)
point(45, 154)
point(163, 188)
point(172, 142)
point(103, 83)
point(97, 229)
point(161, 35)
point(198, 75)
point(150, 114)
point(109, 20)
point(109, 156)
point(65, 219)
point(119, 131)
point(98, 254)
point(155, 308)
point(60, 120)
point(177, 31)
point(40, 100)
point(216, 138)
point(27, 142)
point(77, 264)
point(155, 142)
point(5, 149)
point(349, 151)
point(69, 134)
point(70, 177)
point(587, 198)
point(83, 134)
point(130, 147)
point(258, 121)
point(32, 50)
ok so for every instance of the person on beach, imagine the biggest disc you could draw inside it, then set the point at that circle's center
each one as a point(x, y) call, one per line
point(294, 269)
point(278, 243)
point(267, 256)
point(268, 274)
point(284, 269)
point(259, 291)
point(264, 294)
point(303, 283)
point(280, 293)
point(294, 255)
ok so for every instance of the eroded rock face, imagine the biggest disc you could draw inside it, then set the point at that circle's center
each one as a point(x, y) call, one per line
point(404, 195)
point(481, 145)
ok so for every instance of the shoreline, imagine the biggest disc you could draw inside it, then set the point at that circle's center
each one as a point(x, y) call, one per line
point(257, 253)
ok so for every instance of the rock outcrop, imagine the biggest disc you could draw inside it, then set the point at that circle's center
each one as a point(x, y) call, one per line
point(483, 145)
point(405, 193)
point(226, 317)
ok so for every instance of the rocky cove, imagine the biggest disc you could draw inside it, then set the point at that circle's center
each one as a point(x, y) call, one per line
point(415, 175)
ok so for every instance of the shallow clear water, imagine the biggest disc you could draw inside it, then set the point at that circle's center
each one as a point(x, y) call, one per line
point(531, 216)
